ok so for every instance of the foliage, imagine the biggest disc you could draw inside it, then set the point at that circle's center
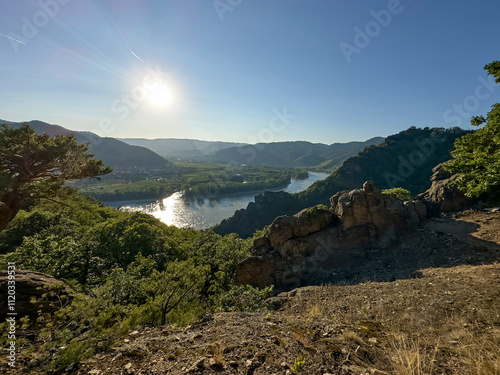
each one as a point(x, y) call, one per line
point(299, 362)
point(403, 160)
point(33, 165)
point(476, 157)
point(194, 180)
point(316, 211)
point(245, 298)
point(130, 270)
point(398, 193)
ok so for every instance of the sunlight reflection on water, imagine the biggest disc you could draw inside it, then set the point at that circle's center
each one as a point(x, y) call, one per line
point(204, 213)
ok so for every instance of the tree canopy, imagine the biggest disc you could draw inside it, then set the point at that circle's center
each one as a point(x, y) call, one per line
point(36, 165)
point(476, 157)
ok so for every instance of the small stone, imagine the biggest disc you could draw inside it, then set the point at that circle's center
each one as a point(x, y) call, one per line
point(373, 340)
point(214, 364)
point(199, 363)
point(126, 341)
point(128, 365)
point(248, 363)
point(134, 333)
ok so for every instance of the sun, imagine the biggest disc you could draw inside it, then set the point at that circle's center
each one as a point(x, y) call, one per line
point(160, 96)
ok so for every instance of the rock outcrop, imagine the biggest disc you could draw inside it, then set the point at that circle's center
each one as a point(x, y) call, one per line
point(442, 196)
point(266, 207)
point(309, 246)
point(33, 291)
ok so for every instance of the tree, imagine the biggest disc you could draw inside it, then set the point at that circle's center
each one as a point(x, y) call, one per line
point(36, 166)
point(476, 157)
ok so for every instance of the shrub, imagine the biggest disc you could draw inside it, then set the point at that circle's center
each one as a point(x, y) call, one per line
point(245, 298)
point(398, 193)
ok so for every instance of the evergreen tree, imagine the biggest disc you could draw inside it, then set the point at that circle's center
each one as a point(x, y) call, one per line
point(36, 166)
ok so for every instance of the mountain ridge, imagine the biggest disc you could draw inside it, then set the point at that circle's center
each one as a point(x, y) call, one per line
point(111, 151)
point(180, 147)
point(293, 153)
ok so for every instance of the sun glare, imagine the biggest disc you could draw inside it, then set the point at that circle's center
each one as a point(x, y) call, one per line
point(160, 96)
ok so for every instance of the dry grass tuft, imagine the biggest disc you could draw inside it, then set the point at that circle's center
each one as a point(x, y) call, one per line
point(409, 357)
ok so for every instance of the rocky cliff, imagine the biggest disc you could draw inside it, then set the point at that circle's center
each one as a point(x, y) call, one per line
point(266, 207)
point(310, 246)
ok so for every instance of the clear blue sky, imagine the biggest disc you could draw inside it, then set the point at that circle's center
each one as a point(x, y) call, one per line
point(230, 66)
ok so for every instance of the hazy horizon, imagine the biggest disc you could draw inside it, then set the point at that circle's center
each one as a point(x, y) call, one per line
point(247, 72)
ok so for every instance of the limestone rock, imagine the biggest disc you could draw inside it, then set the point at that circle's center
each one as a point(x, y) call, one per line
point(442, 196)
point(307, 221)
point(258, 271)
point(309, 246)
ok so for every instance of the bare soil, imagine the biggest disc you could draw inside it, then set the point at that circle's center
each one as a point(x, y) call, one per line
point(428, 305)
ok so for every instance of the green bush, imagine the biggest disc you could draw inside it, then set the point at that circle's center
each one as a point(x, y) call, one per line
point(316, 211)
point(398, 193)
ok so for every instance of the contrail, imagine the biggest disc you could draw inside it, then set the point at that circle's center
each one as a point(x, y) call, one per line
point(132, 52)
point(9, 37)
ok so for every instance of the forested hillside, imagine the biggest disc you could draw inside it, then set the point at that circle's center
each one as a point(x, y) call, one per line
point(295, 154)
point(403, 160)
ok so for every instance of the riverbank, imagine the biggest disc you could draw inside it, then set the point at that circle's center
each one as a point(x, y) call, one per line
point(207, 211)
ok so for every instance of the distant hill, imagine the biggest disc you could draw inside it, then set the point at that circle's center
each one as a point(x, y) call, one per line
point(180, 148)
point(403, 160)
point(111, 151)
point(293, 154)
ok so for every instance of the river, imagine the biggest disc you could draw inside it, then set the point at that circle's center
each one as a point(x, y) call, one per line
point(205, 213)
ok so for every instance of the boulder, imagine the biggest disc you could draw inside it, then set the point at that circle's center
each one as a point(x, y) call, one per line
point(370, 218)
point(442, 196)
point(258, 271)
point(307, 221)
point(30, 288)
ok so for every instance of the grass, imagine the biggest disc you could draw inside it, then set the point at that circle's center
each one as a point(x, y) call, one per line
point(445, 322)
point(410, 357)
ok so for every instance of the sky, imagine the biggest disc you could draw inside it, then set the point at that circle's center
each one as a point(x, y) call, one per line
point(248, 70)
